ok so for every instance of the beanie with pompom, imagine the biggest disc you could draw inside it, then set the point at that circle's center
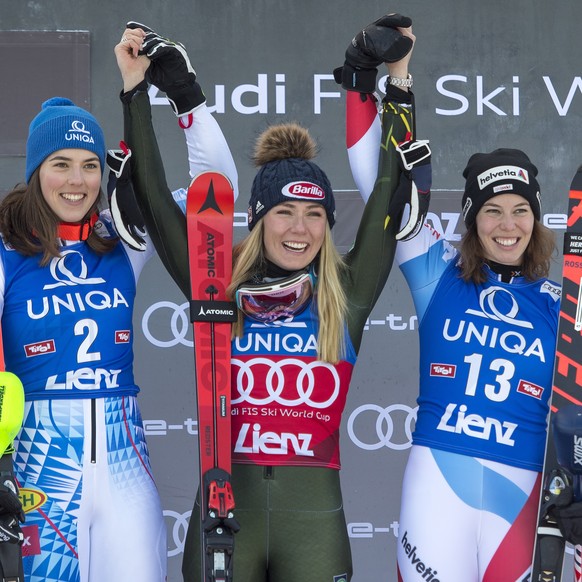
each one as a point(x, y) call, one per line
point(62, 125)
point(286, 173)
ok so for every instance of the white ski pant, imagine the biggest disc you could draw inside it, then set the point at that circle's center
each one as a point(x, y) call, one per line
point(465, 519)
point(92, 508)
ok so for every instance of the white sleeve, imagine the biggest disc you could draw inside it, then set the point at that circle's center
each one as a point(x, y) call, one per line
point(207, 146)
point(363, 139)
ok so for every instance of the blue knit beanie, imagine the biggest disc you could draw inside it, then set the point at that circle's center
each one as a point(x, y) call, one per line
point(62, 125)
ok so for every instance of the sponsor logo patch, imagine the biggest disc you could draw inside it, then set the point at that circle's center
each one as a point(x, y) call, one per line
point(31, 543)
point(502, 188)
point(40, 348)
point(31, 499)
point(530, 389)
point(554, 290)
point(122, 336)
point(303, 191)
point(502, 173)
point(443, 370)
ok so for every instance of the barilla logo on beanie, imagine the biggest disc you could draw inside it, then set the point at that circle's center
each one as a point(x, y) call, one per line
point(289, 179)
point(62, 125)
point(502, 173)
point(303, 191)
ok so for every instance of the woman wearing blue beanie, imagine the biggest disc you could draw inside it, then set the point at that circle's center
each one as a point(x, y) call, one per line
point(67, 296)
point(67, 290)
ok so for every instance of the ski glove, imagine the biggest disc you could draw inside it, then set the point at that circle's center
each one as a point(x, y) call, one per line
point(171, 71)
point(413, 189)
point(10, 505)
point(569, 520)
point(377, 43)
point(125, 212)
point(10, 530)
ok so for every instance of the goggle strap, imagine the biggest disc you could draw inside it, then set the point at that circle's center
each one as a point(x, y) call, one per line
point(274, 286)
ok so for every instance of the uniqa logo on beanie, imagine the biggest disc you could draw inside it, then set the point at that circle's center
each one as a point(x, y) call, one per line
point(79, 133)
point(303, 191)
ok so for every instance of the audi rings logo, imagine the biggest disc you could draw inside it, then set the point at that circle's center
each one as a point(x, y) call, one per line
point(273, 376)
point(372, 427)
point(177, 527)
point(179, 324)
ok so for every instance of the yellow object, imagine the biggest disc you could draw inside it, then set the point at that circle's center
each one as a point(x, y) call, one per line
point(11, 409)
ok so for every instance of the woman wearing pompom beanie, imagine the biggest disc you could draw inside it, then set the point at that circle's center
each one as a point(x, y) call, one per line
point(293, 353)
point(488, 320)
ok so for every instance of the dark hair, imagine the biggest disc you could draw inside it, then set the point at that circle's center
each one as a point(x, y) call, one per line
point(30, 226)
point(536, 259)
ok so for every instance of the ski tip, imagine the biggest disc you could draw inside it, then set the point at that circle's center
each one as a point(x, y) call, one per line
point(210, 189)
point(211, 175)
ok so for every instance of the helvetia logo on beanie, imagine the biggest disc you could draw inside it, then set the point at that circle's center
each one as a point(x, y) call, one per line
point(304, 191)
point(79, 133)
point(502, 173)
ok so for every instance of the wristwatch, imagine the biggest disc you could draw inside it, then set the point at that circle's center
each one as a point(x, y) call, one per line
point(398, 82)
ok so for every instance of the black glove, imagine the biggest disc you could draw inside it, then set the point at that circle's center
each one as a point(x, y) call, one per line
point(10, 506)
point(10, 530)
point(413, 188)
point(125, 212)
point(569, 521)
point(170, 71)
point(378, 43)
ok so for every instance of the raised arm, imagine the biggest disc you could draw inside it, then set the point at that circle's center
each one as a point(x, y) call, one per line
point(388, 40)
point(371, 257)
point(168, 67)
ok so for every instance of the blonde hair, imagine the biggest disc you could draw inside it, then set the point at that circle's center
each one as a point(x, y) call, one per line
point(331, 301)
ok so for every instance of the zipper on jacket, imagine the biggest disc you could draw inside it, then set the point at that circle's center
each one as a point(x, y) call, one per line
point(93, 430)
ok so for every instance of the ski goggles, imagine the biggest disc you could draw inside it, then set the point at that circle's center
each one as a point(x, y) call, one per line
point(280, 299)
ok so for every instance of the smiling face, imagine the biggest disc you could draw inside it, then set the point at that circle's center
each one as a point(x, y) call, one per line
point(504, 226)
point(294, 233)
point(70, 180)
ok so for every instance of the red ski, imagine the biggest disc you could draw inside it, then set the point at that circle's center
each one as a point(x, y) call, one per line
point(209, 213)
point(562, 475)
